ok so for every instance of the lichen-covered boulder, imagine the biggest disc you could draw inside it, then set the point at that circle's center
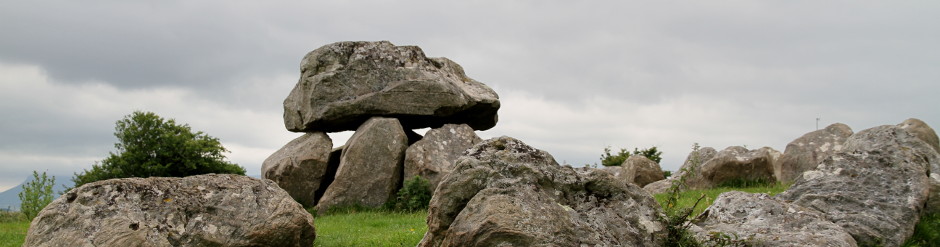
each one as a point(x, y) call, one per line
point(506, 193)
point(875, 189)
point(345, 83)
point(301, 167)
point(370, 167)
point(924, 132)
point(435, 155)
point(204, 210)
point(806, 152)
point(764, 221)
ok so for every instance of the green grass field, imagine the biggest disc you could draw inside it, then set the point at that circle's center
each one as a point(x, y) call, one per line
point(13, 228)
point(371, 228)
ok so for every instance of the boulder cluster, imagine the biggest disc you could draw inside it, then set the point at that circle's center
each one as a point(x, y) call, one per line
point(867, 189)
point(383, 92)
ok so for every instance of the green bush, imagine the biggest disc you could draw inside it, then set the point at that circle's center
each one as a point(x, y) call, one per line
point(149, 146)
point(414, 195)
point(608, 159)
point(36, 195)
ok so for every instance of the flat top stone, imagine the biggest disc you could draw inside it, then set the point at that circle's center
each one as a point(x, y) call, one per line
point(345, 83)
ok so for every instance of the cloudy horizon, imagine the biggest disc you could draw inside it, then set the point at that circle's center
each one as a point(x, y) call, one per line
point(572, 77)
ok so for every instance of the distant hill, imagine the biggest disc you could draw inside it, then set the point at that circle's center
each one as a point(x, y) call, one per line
point(10, 198)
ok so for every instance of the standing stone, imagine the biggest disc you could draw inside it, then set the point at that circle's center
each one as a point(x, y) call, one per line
point(738, 164)
point(301, 166)
point(203, 210)
point(506, 193)
point(806, 152)
point(434, 156)
point(876, 188)
point(343, 84)
point(693, 163)
point(764, 221)
point(370, 167)
point(641, 171)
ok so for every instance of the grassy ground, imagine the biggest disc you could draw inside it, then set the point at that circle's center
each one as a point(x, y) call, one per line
point(370, 228)
point(687, 198)
point(13, 228)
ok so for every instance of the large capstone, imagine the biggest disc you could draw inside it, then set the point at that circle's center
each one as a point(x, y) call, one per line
point(370, 167)
point(875, 189)
point(301, 167)
point(344, 84)
point(506, 193)
point(806, 152)
point(204, 210)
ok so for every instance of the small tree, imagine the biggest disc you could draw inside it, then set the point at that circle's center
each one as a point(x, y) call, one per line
point(650, 153)
point(36, 195)
point(149, 146)
point(608, 159)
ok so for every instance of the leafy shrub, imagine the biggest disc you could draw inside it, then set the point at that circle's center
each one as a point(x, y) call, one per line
point(608, 159)
point(667, 173)
point(149, 146)
point(36, 195)
point(414, 195)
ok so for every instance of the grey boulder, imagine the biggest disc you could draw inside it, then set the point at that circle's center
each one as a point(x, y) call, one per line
point(204, 210)
point(926, 133)
point(806, 152)
point(345, 83)
point(506, 193)
point(301, 167)
point(876, 188)
point(370, 167)
point(434, 156)
point(762, 220)
point(640, 170)
point(738, 164)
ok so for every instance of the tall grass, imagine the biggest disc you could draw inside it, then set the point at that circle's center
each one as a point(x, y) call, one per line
point(13, 226)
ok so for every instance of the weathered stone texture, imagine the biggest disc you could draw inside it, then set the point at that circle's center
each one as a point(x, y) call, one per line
point(506, 193)
point(345, 83)
point(435, 155)
point(204, 210)
point(370, 168)
point(301, 166)
point(806, 152)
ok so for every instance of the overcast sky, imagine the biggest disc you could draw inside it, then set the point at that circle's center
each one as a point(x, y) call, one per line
point(573, 76)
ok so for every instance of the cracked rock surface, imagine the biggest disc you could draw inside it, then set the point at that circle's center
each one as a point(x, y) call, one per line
point(203, 210)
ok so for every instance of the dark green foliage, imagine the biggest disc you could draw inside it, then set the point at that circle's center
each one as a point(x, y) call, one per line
point(608, 159)
point(614, 160)
point(926, 233)
point(667, 173)
point(414, 195)
point(677, 218)
point(149, 146)
point(746, 183)
point(650, 153)
point(36, 195)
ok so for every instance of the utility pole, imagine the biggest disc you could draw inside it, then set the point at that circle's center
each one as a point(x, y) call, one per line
point(817, 123)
